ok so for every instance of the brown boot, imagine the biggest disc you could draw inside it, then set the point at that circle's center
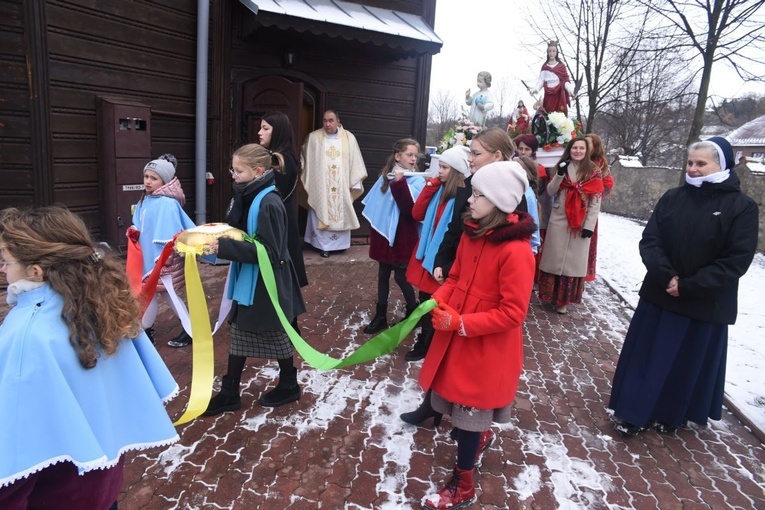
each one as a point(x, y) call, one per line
point(458, 492)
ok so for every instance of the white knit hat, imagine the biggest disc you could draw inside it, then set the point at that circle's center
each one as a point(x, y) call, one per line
point(163, 168)
point(456, 157)
point(503, 183)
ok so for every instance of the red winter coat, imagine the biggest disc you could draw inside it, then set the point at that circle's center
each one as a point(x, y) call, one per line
point(490, 286)
point(415, 273)
point(407, 233)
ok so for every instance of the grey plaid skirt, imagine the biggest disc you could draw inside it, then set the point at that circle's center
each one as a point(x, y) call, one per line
point(271, 344)
point(470, 418)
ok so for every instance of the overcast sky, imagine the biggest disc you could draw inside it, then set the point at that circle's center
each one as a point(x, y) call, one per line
point(485, 35)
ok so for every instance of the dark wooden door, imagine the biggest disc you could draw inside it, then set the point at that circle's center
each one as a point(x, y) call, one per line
point(272, 93)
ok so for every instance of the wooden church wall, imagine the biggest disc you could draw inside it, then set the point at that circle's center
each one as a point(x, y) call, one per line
point(143, 51)
point(17, 187)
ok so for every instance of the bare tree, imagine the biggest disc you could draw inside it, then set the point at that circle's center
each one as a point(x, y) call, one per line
point(604, 36)
point(651, 111)
point(442, 115)
point(732, 31)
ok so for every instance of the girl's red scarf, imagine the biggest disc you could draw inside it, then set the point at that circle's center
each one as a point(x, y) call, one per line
point(578, 196)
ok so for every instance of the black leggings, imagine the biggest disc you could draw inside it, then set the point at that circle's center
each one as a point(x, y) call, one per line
point(399, 274)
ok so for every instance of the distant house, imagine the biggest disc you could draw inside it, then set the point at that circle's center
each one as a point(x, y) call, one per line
point(91, 91)
point(748, 141)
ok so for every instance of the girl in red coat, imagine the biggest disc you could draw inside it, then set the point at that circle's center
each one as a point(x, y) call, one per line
point(474, 362)
point(434, 208)
point(393, 233)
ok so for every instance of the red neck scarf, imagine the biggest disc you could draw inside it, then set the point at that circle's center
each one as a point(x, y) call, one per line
point(578, 196)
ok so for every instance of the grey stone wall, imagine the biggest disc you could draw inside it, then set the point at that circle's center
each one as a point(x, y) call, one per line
point(638, 189)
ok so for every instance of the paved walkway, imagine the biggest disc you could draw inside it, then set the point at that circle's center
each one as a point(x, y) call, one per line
point(343, 446)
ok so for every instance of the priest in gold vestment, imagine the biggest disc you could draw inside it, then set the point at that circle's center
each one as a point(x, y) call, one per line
point(333, 175)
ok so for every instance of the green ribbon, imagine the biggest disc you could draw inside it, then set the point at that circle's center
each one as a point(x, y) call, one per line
point(376, 346)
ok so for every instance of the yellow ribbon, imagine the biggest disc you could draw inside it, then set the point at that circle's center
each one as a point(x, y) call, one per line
point(203, 364)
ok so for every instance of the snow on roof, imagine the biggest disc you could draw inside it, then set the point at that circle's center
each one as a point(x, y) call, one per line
point(629, 161)
point(756, 165)
point(751, 133)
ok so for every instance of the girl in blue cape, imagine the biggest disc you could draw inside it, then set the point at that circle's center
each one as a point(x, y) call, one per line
point(80, 383)
point(256, 331)
point(394, 233)
point(158, 217)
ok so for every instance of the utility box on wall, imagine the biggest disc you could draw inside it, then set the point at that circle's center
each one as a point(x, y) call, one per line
point(124, 148)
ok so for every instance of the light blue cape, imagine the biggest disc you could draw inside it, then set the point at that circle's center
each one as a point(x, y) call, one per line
point(54, 410)
point(381, 210)
point(432, 235)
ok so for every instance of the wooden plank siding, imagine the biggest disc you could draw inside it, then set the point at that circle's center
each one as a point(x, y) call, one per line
point(58, 56)
point(141, 50)
point(15, 130)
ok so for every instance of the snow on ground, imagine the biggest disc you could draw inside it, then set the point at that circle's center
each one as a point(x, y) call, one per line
point(620, 265)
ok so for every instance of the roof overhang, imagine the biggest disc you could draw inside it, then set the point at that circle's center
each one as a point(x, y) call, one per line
point(406, 33)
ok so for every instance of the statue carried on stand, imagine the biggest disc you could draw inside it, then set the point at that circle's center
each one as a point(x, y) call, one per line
point(482, 101)
point(554, 79)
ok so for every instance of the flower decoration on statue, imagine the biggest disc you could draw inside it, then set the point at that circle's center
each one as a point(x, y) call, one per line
point(555, 129)
point(461, 133)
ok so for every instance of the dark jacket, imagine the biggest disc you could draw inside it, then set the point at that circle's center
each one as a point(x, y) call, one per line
point(447, 251)
point(272, 233)
point(407, 232)
point(286, 183)
point(707, 236)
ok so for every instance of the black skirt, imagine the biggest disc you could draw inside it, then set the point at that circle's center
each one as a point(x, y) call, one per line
point(671, 369)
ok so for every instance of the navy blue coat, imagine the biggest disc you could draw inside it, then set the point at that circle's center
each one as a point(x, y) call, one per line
point(707, 236)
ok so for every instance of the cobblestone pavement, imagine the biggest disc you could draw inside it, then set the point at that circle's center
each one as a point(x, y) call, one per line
point(343, 445)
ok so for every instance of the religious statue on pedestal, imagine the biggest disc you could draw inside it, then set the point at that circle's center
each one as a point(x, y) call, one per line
point(554, 79)
point(482, 101)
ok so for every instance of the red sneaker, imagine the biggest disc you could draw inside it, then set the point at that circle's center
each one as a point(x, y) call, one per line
point(458, 492)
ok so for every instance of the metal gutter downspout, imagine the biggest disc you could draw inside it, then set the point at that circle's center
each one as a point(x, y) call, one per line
point(203, 34)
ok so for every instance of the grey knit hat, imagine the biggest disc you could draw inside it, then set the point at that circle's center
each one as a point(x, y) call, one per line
point(163, 168)
point(503, 183)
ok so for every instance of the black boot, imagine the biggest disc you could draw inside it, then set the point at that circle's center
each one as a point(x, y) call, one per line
point(286, 391)
point(227, 400)
point(380, 320)
point(150, 333)
point(422, 344)
point(181, 340)
point(422, 413)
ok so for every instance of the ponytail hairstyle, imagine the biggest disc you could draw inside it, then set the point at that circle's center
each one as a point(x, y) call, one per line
point(398, 147)
point(255, 156)
point(99, 308)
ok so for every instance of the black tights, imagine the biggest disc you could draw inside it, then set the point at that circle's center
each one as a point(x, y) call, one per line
point(467, 447)
point(399, 274)
point(236, 366)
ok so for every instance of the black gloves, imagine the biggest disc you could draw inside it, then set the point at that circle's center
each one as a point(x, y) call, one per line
point(562, 167)
point(586, 233)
